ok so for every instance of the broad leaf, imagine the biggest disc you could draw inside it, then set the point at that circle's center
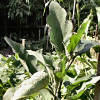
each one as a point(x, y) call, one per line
point(44, 59)
point(97, 48)
point(38, 81)
point(74, 40)
point(49, 60)
point(38, 56)
point(61, 30)
point(84, 46)
point(27, 61)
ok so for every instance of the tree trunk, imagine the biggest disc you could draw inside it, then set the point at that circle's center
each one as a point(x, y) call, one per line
point(97, 86)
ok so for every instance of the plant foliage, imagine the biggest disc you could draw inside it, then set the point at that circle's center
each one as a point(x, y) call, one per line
point(47, 71)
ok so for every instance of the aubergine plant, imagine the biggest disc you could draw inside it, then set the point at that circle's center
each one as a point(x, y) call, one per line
point(12, 73)
point(51, 73)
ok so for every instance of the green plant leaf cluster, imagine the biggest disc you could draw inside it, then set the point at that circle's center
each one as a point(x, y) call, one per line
point(74, 40)
point(48, 72)
point(81, 86)
point(11, 73)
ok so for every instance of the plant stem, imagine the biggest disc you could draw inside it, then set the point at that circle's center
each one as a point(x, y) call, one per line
point(59, 90)
point(70, 63)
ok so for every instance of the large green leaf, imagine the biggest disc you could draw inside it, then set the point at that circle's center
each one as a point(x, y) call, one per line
point(61, 30)
point(38, 56)
point(28, 61)
point(38, 81)
point(84, 46)
point(46, 60)
point(74, 40)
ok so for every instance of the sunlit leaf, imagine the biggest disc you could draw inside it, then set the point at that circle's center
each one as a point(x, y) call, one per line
point(74, 40)
point(61, 30)
point(38, 81)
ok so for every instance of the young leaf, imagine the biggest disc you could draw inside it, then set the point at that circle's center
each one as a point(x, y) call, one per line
point(74, 40)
